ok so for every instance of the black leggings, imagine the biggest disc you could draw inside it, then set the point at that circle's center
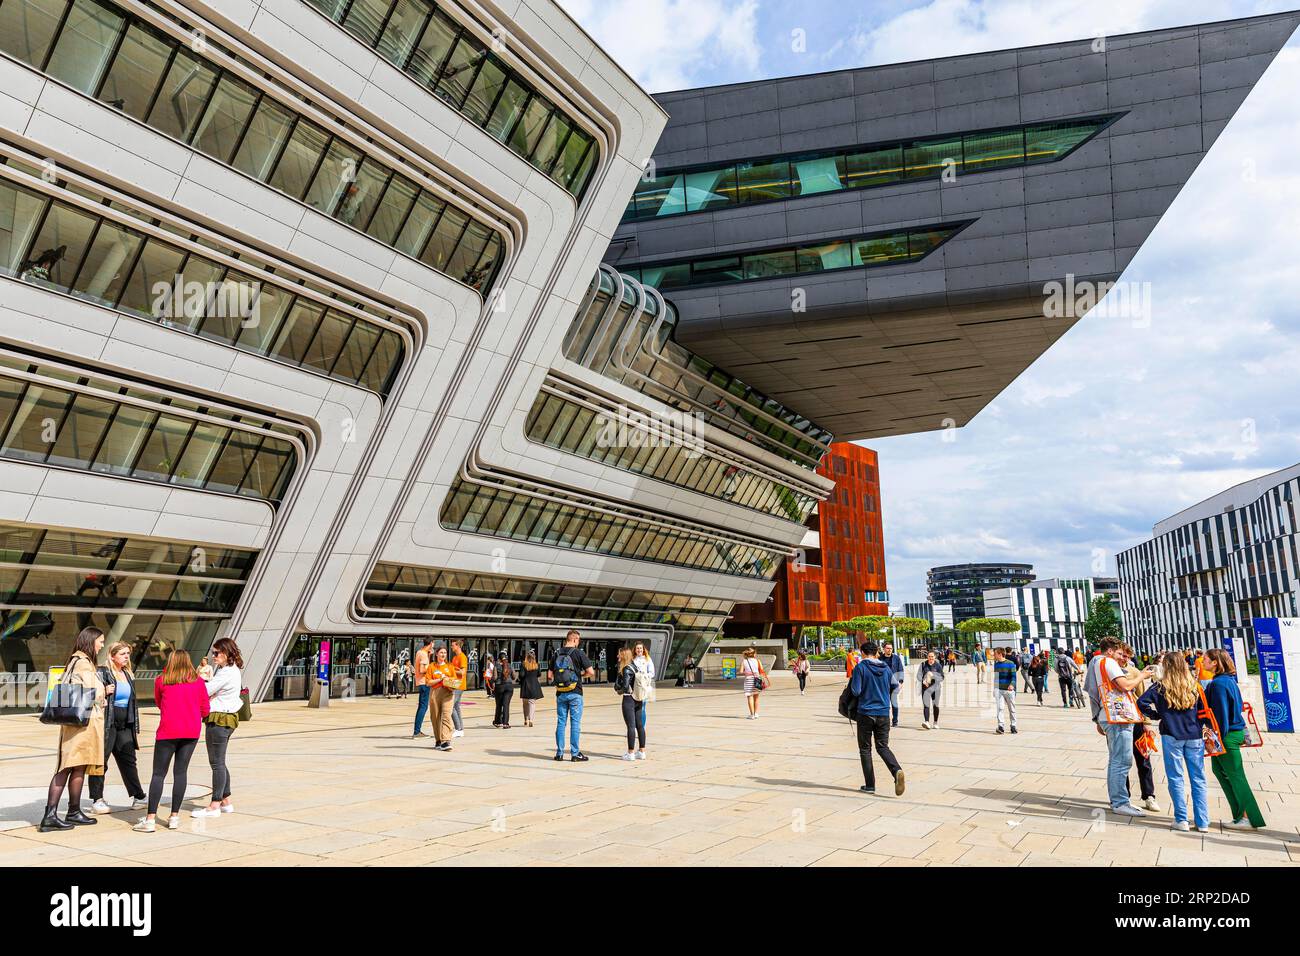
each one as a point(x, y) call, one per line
point(803, 680)
point(503, 697)
point(217, 740)
point(163, 752)
point(632, 718)
point(121, 744)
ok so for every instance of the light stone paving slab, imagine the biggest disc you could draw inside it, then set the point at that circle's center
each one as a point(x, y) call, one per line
point(348, 786)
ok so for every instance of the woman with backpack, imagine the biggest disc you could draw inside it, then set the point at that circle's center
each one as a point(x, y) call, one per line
point(644, 687)
point(1173, 699)
point(530, 687)
point(1223, 697)
point(633, 709)
point(79, 747)
point(121, 729)
point(224, 703)
point(503, 690)
point(751, 669)
point(182, 700)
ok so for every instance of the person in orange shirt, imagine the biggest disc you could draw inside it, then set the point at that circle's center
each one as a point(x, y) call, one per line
point(439, 675)
point(851, 660)
point(1203, 673)
point(460, 663)
point(1078, 657)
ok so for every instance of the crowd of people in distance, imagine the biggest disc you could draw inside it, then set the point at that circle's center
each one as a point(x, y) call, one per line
point(1184, 704)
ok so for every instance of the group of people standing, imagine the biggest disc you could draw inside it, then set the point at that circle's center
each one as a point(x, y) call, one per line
point(1197, 716)
point(189, 707)
point(441, 674)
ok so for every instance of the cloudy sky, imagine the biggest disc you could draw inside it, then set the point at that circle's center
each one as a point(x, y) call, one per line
point(1121, 423)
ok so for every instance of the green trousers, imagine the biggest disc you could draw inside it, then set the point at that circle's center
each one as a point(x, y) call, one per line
point(1232, 777)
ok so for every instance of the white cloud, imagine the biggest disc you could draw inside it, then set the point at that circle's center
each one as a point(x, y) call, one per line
point(667, 44)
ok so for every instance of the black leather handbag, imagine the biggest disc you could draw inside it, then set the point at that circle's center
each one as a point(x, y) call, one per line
point(68, 705)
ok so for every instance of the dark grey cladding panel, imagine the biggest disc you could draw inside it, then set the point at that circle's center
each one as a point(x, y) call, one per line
point(893, 363)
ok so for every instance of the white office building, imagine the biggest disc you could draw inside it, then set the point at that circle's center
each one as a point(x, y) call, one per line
point(1048, 617)
point(1209, 569)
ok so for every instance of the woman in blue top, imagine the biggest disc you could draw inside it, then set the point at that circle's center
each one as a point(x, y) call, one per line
point(121, 729)
point(1224, 698)
point(1174, 699)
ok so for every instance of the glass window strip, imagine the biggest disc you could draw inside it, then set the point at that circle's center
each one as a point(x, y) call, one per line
point(250, 281)
point(223, 82)
point(858, 167)
point(827, 256)
point(573, 183)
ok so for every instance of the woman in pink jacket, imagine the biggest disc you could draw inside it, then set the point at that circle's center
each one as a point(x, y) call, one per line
point(182, 699)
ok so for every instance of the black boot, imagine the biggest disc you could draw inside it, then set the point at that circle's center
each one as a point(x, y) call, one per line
point(79, 819)
point(51, 821)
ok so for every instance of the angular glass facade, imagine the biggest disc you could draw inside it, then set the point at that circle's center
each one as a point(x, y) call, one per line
point(448, 60)
point(876, 249)
point(622, 332)
point(108, 53)
point(561, 520)
point(53, 414)
point(582, 424)
point(696, 189)
point(59, 244)
point(155, 595)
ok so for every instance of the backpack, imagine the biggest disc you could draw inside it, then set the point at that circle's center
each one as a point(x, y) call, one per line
point(1065, 667)
point(642, 686)
point(566, 676)
point(848, 705)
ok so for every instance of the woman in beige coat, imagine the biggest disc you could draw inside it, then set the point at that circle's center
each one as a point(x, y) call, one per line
point(79, 747)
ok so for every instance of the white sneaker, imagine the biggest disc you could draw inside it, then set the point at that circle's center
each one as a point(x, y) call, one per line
point(925, 725)
point(1128, 810)
point(1203, 829)
point(145, 826)
point(458, 733)
point(227, 808)
point(1150, 804)
point(205, 812)
point(99, 806)
point(1180, 825)
point(1242, 824)
point(935, 725)
point(629, 756)
point(139, 803)
point(640, 755)
point(174, 822)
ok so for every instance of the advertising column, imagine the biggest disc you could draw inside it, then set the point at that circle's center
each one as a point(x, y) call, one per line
point(1277, 642)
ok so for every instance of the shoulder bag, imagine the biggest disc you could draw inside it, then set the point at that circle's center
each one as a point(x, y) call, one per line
point(68, 704)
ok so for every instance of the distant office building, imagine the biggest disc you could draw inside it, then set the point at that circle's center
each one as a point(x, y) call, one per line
point(963, 585)
point(1049, 617)
point(840, 571)
point(1091, 587)
point(1210, 568)
point(939, 615)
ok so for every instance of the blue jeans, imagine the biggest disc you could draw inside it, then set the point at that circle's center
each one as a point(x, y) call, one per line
point(455, 710)
point(568, 709)
point(422, 708)
point(1119, 741)
point(1191, 752)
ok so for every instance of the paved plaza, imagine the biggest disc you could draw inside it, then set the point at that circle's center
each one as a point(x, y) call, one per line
point(347, 786)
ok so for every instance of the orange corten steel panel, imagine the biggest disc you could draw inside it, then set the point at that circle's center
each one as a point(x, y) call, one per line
point(852, 555)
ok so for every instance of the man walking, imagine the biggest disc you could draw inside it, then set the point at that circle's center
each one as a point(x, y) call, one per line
point(1065, 676)
point(460, 664)
point(567, 670)
point(1004, 686)
point(422, 658)
point(870, 686)
point(1106, 670)
point(895, 664)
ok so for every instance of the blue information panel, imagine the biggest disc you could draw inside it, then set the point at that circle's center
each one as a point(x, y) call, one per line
point(1277, 642)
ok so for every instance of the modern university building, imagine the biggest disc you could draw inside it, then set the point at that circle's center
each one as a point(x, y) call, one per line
point(305, 334)
point(1208, 570)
